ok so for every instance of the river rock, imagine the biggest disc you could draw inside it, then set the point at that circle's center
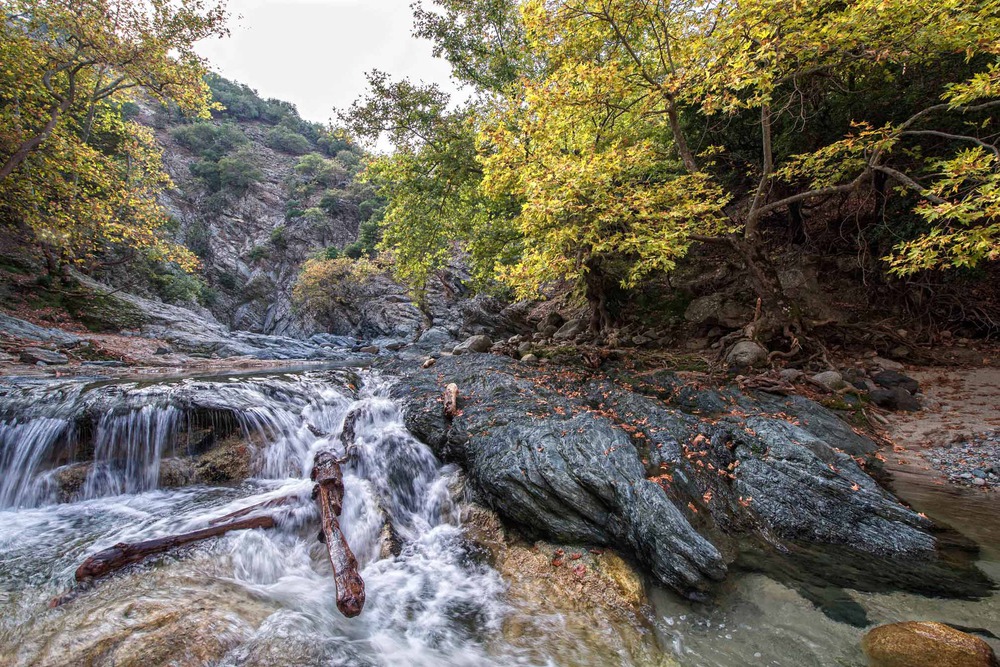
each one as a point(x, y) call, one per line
point(832, 380)
point(479, 344)
point(650, 484)
point(570, 330)
point(894, 399)
point(925, 644)
point(746, 354)
point(34, 355)
point(552, 319)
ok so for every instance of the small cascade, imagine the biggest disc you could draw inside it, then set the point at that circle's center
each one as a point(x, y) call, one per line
point(430, 602)
point(117, 435)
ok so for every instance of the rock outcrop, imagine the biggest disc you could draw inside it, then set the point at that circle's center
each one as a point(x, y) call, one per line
point(674, 483)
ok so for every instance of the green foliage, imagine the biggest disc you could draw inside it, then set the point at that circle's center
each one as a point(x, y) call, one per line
point(210, 141)
point(258, 253)
point(286, 140)
point(325, 284)
point(279, 237)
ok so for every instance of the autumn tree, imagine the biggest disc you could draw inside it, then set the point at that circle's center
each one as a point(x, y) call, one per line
point(72, 168)
point(693, 64)
point(431, 181)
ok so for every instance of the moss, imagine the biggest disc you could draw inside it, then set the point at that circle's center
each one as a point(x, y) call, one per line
point(103, 312)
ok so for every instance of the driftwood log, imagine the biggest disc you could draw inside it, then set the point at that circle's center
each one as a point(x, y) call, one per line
point(120, 555)
point(329, 494)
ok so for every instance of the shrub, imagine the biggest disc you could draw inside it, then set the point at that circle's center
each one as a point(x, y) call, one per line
point(288, 141)
point(278, 238)
point(238, 172)
point(324, 285)
point(209, 140)
point(258, 253)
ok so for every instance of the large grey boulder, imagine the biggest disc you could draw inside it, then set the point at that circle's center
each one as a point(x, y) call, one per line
point(570, 330)
point(478, 344)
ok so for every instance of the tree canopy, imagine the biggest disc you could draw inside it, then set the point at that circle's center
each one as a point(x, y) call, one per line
point(610, 135)
point(74, 170)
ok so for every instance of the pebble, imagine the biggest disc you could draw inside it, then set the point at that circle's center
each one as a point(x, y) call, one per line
point(970, 461)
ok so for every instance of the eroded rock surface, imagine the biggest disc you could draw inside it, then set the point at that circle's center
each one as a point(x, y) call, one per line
point(671, 474)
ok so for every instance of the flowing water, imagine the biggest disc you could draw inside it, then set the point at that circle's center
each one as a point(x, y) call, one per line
point(266, 597)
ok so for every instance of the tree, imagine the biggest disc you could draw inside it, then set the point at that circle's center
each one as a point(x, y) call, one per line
point(697, 63)
point(431, 182)
point(63, 53)
point(603, 203)
point(74, 171)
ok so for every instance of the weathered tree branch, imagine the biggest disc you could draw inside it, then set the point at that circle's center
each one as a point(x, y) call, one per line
point(329, 493)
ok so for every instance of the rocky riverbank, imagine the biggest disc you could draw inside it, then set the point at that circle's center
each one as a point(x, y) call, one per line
point(666, 467)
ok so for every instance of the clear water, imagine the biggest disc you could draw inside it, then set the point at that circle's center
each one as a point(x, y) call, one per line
point(267, 598)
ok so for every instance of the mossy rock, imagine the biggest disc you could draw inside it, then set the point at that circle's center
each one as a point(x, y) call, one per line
point(231, 460)
point(104, 312)
point(925, 644)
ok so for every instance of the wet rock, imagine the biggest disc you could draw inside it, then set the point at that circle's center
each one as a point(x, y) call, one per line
point(479, 344)
point(570, 330)
point(893, 379)
point(660, 491)
point(34, 355)
point(435, 337)
point(746, 354)
point(230, 460)
point(925, 644)
point(176, 472)
point(597, 595)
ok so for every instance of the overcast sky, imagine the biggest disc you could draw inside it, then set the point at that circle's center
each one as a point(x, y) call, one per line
point(314, 53)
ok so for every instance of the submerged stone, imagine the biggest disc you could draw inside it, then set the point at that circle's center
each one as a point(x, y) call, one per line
point(925, 644)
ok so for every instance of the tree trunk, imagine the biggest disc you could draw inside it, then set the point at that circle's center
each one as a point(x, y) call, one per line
point(597, 296)
point(329, 493)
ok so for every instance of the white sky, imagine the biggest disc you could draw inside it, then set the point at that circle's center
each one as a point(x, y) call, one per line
point(314, 53)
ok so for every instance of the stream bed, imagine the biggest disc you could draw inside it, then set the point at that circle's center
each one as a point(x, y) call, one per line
point(267, 598)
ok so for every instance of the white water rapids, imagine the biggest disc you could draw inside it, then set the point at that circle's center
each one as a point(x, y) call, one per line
point(266, 597)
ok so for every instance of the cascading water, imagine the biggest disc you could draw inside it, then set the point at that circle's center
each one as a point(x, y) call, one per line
point(266, 597)
point(431, 604)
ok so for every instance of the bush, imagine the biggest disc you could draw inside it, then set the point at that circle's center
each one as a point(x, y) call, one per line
point(238, 172)
point(258, 253)
point(176, 286)
point(324, 285)
point(197, 238)
point(333, 202)
point(209, 140)
point(278, 238)
point(314, 168)
point(288, 141)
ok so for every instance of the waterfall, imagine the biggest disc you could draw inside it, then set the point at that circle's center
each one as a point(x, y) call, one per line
point(430, 602)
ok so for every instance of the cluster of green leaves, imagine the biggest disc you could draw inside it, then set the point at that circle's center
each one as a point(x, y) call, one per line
point(226, 162)
point(606, 136)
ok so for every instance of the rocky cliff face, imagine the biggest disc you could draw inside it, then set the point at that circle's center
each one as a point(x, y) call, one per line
point(251, 248)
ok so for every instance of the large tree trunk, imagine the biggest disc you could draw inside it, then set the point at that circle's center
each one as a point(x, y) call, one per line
point(329, 493)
